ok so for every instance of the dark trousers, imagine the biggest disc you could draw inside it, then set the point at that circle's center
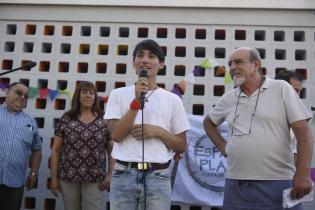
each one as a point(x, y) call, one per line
point(256, 195)
point(11, 198)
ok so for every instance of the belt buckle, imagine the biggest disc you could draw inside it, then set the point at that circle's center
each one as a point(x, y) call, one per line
point(142, 166)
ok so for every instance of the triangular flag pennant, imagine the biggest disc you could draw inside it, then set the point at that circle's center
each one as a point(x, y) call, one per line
point(62, 91)
point(213, 62)
point(227, 78)
point(103, 98)
point(219, 71)
point(32, 92)
point(52, 94)
point(208, 63)
point(190, 78)
point(313, 174)
point(198, 71)
point(43, 92)
point(176, 90)
point(4, 85)
point(182, 86)
point(65, 91)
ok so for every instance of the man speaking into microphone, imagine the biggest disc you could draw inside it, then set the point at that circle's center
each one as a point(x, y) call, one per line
point(148, 124)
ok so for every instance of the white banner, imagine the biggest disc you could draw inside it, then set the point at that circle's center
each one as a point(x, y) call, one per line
point(200, 173)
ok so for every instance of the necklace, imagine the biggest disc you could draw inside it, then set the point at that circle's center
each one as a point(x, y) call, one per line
point(146, 98)
point(253, 114)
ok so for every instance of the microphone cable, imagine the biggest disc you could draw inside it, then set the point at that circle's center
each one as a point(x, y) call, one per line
point(143, 74)
point(143, 169)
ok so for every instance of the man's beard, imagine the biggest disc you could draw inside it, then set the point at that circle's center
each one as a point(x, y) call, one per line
point(238, 80)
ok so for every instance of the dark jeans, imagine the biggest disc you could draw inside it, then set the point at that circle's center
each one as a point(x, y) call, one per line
point(255, 194)
point(11, 198)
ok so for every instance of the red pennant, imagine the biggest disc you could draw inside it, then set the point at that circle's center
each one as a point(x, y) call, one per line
point(105, 98)
point(43, 93)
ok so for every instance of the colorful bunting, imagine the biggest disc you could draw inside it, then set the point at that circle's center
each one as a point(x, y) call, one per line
point(198, 71)
point(227, 78)
point(179, 89)
point(208, 63)
point(43, 92)
point(103, 98)
point(52, 94)
point(32, 92)
point(313, 174)
point(182, 86)
point(190, 78)
point(65, 91)
point(3, 86)
point(219, 70)
point(176, 90)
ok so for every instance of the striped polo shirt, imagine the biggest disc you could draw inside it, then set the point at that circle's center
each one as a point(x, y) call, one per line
point(18, 137)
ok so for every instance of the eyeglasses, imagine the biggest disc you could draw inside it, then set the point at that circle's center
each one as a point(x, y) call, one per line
point(237, 115)
point(20, 94)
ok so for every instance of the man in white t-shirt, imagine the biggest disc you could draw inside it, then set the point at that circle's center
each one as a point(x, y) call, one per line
point(260, 113)
point(141, 175)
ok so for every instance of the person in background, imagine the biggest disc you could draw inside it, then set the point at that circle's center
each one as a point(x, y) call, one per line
point(141, 174)
point(260, 113)
point(78, 158)
point(20, 146)
point(295, 80)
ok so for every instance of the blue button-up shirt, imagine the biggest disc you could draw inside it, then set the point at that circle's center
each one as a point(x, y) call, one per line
point(18, 137)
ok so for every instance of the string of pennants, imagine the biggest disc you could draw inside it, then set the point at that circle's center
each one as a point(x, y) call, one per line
point(44, 92)
point(207, 63)
point(179, 89)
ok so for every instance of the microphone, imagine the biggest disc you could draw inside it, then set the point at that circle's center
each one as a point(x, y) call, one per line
point(26, 66)
point(143, 74)
point(29, 65)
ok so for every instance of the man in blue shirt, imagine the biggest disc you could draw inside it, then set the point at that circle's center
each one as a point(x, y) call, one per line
point(19, 140)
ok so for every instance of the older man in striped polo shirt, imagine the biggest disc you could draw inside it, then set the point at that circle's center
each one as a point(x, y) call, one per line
point(19, 140)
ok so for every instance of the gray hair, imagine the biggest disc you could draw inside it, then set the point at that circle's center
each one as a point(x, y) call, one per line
point(254, 54)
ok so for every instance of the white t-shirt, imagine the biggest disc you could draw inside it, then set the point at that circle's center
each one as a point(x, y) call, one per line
point(265, 153)
point(163, 108)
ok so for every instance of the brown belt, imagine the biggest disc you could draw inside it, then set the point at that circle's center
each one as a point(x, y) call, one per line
point(145, 166)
